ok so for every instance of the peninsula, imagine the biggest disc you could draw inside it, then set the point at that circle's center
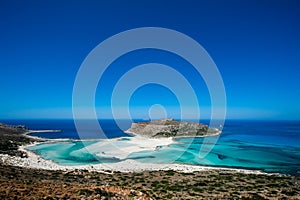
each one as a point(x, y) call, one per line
point(168, 127)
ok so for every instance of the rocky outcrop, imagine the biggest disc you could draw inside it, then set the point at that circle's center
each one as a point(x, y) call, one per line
point(13, 129)
point(170, 128)
point(11, 138)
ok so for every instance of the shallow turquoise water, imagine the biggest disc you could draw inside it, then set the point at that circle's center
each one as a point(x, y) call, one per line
point(62, 152)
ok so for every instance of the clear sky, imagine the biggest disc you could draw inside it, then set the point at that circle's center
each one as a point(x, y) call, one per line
point(255, 44)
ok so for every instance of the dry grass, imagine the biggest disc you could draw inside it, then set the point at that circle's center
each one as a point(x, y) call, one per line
point(23, 183)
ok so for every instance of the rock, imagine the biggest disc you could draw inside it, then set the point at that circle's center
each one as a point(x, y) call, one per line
point(168, 127)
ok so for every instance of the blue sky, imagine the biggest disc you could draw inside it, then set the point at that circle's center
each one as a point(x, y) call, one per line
point(255, 45)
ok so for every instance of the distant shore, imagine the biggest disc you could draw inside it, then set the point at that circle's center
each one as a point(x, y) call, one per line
point(29, 132)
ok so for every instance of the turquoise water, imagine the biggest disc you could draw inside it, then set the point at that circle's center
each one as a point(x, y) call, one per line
point(271, 146)
point(62, 152)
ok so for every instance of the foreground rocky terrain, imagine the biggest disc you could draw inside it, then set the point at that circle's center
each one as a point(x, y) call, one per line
point(171, 128)
point(21, 183)
point(24, 183)
point(11, 137)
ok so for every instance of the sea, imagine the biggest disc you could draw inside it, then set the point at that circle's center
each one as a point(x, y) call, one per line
point(269, 146)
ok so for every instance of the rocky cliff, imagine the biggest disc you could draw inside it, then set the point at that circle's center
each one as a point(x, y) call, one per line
point(170, 128)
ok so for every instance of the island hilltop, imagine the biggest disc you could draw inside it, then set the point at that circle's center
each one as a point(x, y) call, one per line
point(168, 127)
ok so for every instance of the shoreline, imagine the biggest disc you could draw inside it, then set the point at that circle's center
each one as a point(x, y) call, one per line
point(35, 161)
point(28, 132)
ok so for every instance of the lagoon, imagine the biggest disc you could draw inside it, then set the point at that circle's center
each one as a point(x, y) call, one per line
point(270, 146)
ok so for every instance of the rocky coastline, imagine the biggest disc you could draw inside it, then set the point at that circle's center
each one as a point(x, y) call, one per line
point(168, 127)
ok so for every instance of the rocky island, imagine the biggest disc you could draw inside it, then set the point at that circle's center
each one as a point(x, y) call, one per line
point(169, 127)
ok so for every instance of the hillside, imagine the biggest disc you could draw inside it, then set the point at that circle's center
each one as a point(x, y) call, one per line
point(168, 127)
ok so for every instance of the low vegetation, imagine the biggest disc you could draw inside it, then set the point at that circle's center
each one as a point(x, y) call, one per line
point(20, 183)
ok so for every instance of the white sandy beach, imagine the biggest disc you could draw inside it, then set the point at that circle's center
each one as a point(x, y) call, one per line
point(122, 149)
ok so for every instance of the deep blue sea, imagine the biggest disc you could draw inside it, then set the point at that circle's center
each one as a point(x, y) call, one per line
point(271, 146)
